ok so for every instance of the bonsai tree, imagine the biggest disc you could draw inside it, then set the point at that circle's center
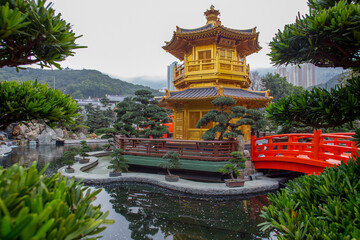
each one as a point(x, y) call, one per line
point(118, 162)
point(141, 112)
point(68, 158)
point(223, 119)
point(84, 148)
point(172, 161)
point(236, 164)
point(108, 145)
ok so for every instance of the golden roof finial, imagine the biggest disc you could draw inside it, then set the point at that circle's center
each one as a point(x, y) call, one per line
point(212, 15)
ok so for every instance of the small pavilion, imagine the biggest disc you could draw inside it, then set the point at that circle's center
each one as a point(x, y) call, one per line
point(213, 64)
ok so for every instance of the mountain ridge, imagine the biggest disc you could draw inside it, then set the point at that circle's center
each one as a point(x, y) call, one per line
point(77, 83)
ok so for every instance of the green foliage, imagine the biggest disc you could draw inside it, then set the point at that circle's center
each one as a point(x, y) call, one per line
point(118, 162)
point(319, 108)
point(106, 146)
point(31, 32)
point(97, 118)
point(235, 165)
point(69, 156)
point(105, 101)
point(107, 132)
point(84, 148)
point(141, 111)
point(78, 124)
point(172, 161)
point(34, 206)
point(328, 36)
point(324, 206)
point(224, 126)
point(26, 101)
point(279, 87)
point(125, 121)
point(78, 83)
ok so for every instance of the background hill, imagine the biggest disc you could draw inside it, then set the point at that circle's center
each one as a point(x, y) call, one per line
point(77, 83)
point(332, 83)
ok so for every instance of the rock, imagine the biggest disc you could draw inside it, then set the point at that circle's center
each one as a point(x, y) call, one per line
point(48, 136)
point(93, 136)
point(2, 137)
point(82, 136)
point(24, 129)
point(4, 149)
point(9, 130)
point(74, 136)
point(249, 164)
point(66, 134)
point(16, 130)
point(246, 153)
point(59, 132)
point(241, 143)
point(33, 135)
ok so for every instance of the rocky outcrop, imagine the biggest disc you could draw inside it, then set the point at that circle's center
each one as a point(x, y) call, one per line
point(59, 132)
point(48, 136)
point(4, 150)
point(82, 136)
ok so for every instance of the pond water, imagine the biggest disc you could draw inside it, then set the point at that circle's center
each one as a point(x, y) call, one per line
point(149, 212)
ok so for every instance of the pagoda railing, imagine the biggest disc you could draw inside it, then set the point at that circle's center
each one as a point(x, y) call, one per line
point(179, 71)
point(212, 65)
point(187, 149)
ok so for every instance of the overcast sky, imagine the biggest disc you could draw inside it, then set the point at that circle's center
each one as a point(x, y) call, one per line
point(125, 38)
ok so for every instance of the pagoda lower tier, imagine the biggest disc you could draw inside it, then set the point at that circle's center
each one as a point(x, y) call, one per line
point(191, 104)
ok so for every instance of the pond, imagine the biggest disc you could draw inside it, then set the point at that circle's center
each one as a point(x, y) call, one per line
point(149, 212)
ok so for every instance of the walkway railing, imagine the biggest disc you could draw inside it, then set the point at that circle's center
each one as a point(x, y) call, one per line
point(187, 149)
point(306, 153)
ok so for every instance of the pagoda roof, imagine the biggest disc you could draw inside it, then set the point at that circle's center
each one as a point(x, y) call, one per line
point(246, 41)
point(214, 92)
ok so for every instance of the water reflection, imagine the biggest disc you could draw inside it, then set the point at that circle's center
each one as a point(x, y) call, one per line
point(147, 212)
point(43, 154)
point(154, 213)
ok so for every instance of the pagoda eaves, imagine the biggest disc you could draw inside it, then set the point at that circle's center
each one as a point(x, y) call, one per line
point(245, 41)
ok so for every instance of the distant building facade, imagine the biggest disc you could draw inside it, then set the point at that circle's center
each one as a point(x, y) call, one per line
point(307, 75)
point(303, 76)
point(170, 76)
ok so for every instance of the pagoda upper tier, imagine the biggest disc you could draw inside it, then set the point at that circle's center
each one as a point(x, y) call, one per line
point(244, 41)
point(212, 55)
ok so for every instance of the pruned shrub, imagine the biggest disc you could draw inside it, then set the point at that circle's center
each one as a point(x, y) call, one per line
point(34, 206)
point(324, 206)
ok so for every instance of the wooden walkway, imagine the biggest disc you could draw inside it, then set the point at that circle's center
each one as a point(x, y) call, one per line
point(307, 153)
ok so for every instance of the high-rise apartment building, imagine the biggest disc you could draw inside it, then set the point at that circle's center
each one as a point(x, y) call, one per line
point(304, 76)
point(170, 76)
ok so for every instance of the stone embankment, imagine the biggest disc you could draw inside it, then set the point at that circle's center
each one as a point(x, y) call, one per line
point(22, 134)
point(261, 185)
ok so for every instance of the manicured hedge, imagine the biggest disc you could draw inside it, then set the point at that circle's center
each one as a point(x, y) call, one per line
point(324, 206)
point(34, 206)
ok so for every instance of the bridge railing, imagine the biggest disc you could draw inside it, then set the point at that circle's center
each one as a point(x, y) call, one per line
point(316, 149)
point(187, 149)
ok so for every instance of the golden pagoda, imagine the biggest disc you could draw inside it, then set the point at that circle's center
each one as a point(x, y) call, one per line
point(213, 65)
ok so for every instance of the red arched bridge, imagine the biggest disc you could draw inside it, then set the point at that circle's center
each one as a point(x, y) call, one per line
point(307, 153)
